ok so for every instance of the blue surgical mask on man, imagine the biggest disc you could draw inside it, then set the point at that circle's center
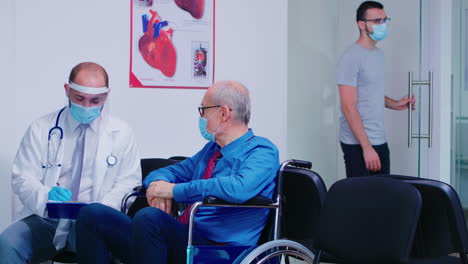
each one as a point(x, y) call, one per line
point(380, 32)
point(84, 115)
point(202, 124)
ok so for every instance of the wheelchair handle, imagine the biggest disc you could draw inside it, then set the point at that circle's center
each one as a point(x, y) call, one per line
point(296, 163)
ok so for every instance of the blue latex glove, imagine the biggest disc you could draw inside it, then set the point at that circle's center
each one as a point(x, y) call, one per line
point(60, 194)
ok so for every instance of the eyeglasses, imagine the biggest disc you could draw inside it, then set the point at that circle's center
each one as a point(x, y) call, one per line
point(201, 109)
point(379, 20)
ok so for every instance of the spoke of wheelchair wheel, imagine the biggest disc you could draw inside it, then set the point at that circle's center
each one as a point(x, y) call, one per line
point(294, 253)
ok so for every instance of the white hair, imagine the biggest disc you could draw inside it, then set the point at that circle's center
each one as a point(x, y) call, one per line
point(236, 97)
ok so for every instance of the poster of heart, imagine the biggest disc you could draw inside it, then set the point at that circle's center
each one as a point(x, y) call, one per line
point(172, 43)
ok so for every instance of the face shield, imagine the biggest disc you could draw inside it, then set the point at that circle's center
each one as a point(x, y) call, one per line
point(82, 114)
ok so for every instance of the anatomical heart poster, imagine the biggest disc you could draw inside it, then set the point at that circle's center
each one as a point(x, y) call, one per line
point(172, 43)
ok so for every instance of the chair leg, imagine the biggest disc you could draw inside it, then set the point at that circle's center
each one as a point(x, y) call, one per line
point(463, 258)
point(317, 257)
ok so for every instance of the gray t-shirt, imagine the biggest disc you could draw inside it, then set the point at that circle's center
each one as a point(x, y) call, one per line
point(364, 69)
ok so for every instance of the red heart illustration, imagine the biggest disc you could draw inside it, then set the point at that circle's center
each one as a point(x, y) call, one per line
point(156, 45)
point(194, 7)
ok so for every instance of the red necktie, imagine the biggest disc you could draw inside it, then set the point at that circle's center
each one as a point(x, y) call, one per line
point(184, 217)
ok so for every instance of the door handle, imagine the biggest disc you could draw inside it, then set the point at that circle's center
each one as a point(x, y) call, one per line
point(410, 111)
point(431, 107)
point(429, 84)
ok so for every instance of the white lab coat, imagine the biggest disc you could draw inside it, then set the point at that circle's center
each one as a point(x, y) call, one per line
point(31, 182)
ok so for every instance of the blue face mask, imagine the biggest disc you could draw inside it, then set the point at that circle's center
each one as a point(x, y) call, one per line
point(380, 32)
point(84, 115)
point(202, 123)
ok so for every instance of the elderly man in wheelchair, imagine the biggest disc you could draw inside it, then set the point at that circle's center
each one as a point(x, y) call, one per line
point(235, 166)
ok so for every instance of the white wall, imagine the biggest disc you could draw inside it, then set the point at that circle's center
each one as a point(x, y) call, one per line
point(312, 93)
point(7, 135)
point(53, 35)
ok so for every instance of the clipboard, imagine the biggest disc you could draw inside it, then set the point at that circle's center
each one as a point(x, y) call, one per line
point(64, 210)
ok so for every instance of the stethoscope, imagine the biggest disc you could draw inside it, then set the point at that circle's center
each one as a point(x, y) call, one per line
point(111, 159)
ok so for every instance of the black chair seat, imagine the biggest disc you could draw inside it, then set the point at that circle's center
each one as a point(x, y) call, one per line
point(438, 260)
point(442, 228)
point(369, 220)
point(65, 257)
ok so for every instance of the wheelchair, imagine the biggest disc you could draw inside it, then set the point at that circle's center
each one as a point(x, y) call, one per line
point(272, 249)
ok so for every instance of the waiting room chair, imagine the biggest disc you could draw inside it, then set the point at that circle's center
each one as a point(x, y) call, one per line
point(178, 158)
point(303, 196)
point(369, 220)
point(442, 228)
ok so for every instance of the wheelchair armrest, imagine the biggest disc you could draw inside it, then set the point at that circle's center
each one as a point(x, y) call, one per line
point(257, 200)
point(211, 201)
point(141, 189)
point(137, 191)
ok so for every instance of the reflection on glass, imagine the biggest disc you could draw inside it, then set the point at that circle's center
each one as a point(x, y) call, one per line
point(459, 95)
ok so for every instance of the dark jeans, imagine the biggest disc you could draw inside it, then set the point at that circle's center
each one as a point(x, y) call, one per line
point(151, 236)
point(355, 164)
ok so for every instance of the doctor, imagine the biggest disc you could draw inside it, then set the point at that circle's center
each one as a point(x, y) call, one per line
point(77, 153)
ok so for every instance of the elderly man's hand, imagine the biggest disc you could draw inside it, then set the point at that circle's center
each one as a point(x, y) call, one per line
point(159, 194)
point(160, 189)
point(163, 204)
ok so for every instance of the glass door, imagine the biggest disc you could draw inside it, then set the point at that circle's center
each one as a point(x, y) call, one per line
point(409, 133)
point(459, 148)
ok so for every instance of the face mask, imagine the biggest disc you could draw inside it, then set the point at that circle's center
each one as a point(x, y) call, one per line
point(202, 123)
point(380, 32)
point(84, 115)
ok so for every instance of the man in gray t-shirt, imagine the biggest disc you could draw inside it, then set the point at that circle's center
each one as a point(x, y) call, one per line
point(361, 80)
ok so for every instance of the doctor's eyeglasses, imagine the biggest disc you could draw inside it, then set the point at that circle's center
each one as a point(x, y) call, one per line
point(201, 109)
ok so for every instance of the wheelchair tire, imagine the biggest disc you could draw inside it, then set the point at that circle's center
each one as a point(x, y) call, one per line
point(270, 251)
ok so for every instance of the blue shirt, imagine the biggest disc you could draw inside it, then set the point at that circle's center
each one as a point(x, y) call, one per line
point(247, 168)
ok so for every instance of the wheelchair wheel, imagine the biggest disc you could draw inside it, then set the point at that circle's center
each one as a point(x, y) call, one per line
point(279, 251)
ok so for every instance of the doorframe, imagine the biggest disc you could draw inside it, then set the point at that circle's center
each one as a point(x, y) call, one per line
point(440, 46)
